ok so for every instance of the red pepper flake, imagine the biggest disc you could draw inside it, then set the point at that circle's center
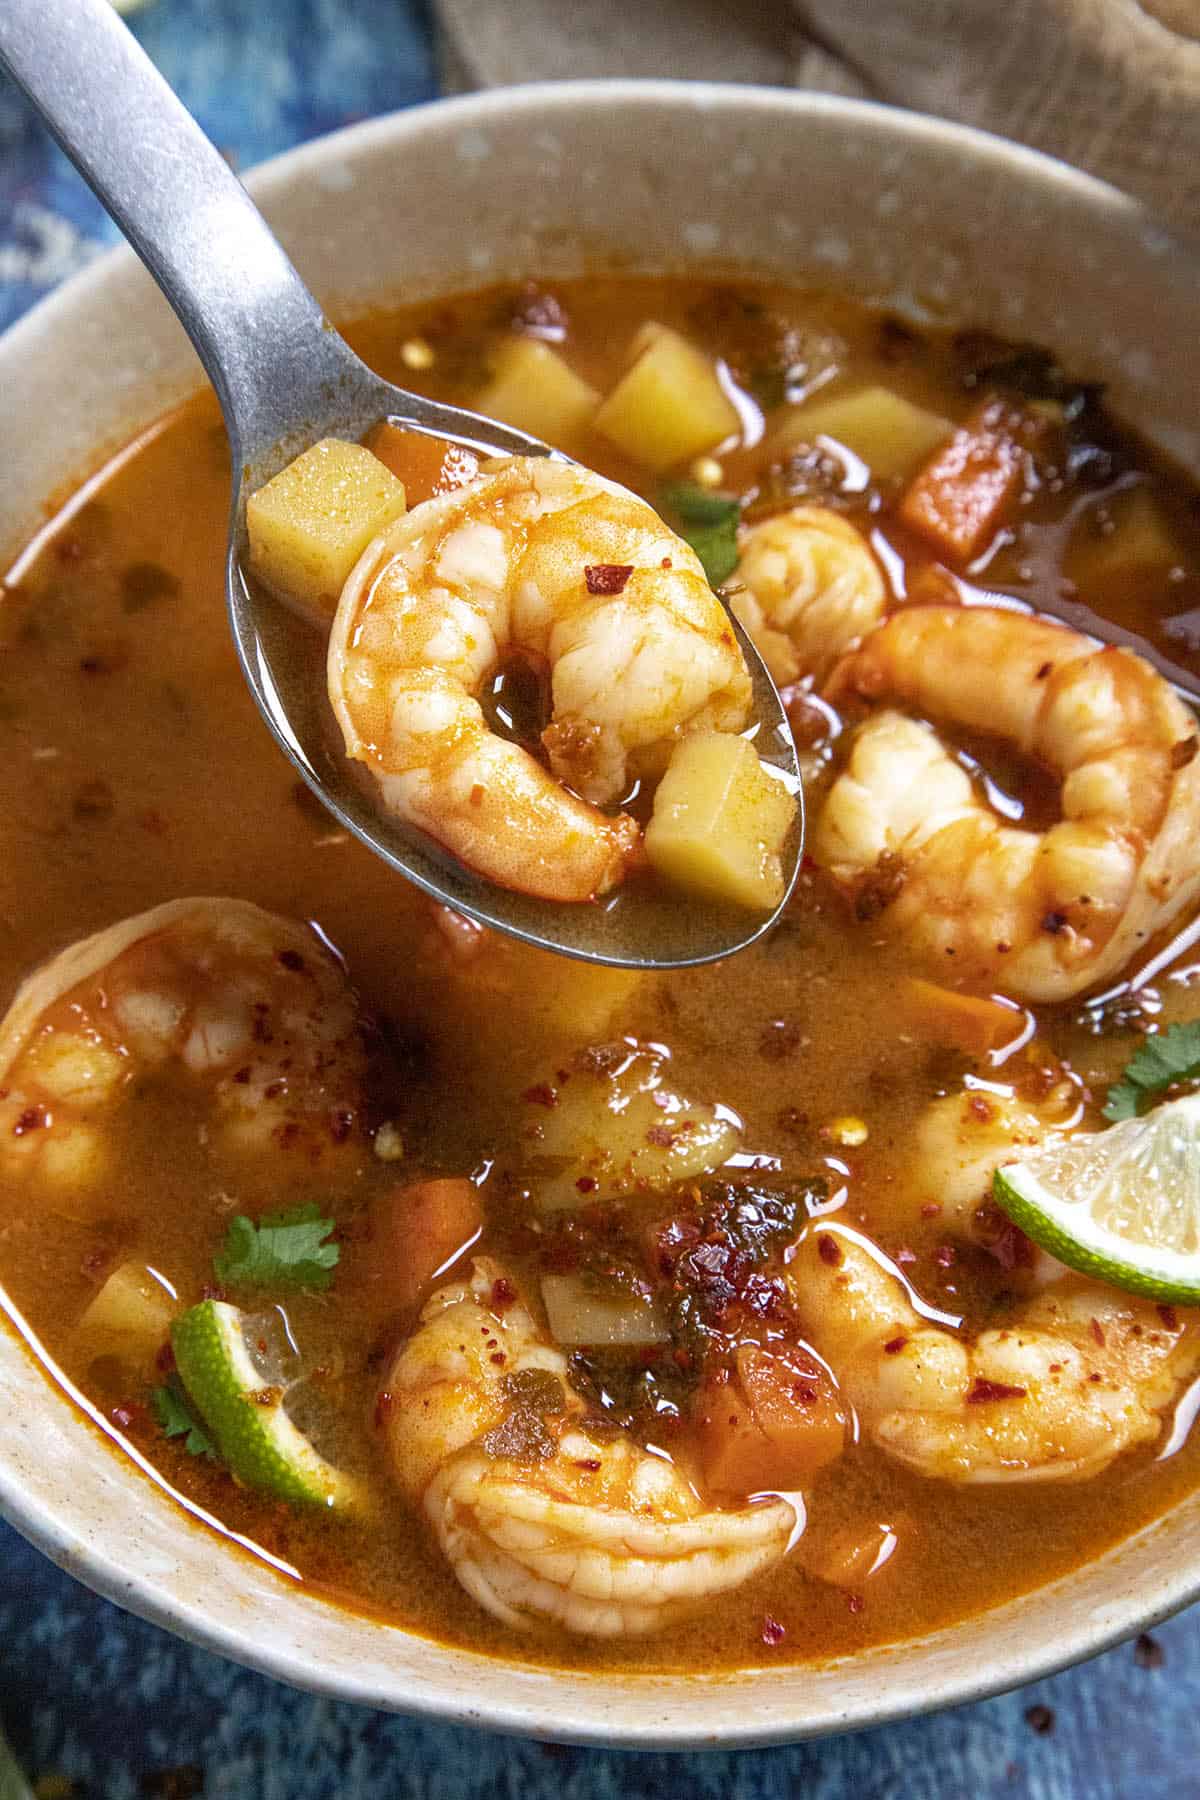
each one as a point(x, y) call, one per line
point(291, 959)
point(587, 1184)
point(981, 1108)
point(1169, 1317)
point(607, 578)
point(1097, 1331)
point(661, 1136)
point(477, 794)
point(122, 1417)
point(895, 1345)
point(931, 1209)
point(1148, 1653)
point(383, 1409)
point(905, 1256)
point(1012, 1249)
point(589, 1464)
point(994, 1390)
point(503, 1294)
point(1040, 1719)
point(1045, 670)
point(944, 1256)
point(538, 314)
point(498, 1357)
point(772, 1632)
point(541, 1095)
point(779, 1040)
point(828, 1251)
point(855, 1603)
point(34, 1118)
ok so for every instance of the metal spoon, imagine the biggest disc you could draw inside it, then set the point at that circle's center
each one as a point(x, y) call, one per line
point(285, 378)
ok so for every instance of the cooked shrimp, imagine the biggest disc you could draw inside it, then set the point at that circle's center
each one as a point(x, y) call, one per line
point(1081, 1375)
point(552, 563)
point(962, 1139)
point(1043, 915)
point(810, 589)
point(543, 1518)
point(247, 1004)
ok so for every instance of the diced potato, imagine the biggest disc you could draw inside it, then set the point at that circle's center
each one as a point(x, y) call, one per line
point(720, 822)
point(73, 1068)
point(1141, 541)
point(670, 405)
point(889, 433)
point(310, 524)
point(613, 1127)
point(959, 500)
point(774, 1424)
point(577, 1315)
point(426, 465)
point(970, 1022)
point(130, 1317)
point(533, 388)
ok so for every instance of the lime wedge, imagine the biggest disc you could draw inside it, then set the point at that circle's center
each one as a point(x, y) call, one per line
point(1122, 1204)
point(254, 1436)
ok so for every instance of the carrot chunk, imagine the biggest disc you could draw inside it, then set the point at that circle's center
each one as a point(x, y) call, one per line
point(968, 1021)
point(426, 465)
point(772, 1425)
point(959, 498)
point(417, 1232)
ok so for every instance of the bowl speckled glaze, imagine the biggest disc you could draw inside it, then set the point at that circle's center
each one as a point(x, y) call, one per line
point(559, 180)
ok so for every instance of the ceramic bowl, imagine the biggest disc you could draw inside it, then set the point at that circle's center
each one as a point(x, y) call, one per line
point(562, 180)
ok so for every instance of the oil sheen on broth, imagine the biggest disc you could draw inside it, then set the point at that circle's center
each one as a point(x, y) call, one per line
point(135, 770)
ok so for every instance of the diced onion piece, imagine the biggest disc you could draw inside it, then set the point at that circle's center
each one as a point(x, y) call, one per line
point(130, 1317)
point(720, 822)
point(889, 433)
point(533, 388)
point(670, 405)
point(577, 1315)
point(310, 524)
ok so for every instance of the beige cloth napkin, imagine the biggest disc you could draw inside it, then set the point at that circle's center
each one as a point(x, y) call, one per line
point(1110, 85)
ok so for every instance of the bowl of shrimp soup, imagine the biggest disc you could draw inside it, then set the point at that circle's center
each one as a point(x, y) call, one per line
point(429, 1322)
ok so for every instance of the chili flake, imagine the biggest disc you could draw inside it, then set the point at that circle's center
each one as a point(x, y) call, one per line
point(607, 578)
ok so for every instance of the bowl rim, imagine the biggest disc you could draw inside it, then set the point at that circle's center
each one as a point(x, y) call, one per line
point(584, 1719)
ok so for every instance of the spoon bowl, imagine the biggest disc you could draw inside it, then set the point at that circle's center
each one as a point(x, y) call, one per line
point(285, 379)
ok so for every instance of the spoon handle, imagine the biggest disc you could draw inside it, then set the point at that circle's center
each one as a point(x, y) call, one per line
point(255, 326)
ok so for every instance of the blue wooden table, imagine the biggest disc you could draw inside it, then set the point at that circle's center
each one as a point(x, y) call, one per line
point(113, 1705)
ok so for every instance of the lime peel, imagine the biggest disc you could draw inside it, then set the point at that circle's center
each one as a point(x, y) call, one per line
point(254, 1436)
point(1122, 1204)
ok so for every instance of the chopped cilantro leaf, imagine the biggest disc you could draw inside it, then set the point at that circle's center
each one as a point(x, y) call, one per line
point(1164, 1059)
point(706, 521)
point(173, 1413)
point(285, 1249)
